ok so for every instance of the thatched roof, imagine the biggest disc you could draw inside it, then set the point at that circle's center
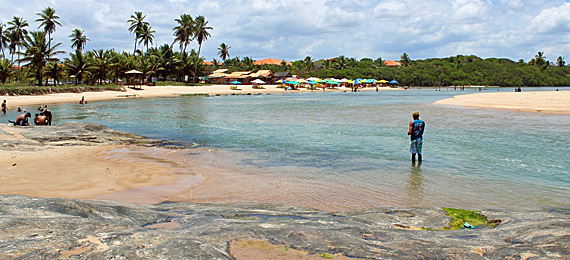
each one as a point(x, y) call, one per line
point(282, 74)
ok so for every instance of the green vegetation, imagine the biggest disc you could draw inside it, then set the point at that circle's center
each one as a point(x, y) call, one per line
point(452, 71)
point(36, 59)
point(461, 216)
point(26, 89)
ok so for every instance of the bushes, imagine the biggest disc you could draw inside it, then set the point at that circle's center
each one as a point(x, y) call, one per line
point(21, 89)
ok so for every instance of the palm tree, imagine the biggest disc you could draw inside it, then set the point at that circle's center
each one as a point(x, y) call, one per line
point(38, 53)
point(201, 34)
point(168, 61)
point(13, 44)
point(405, 60)
point(379, 62)
point(224, 51)
point(539, 59)
point(341, 62)
point(137, 22)
point(3, 39)
point(215, 64)
point(117, 63)
point(101, 60)
point(184, 32)
point(78, 40)
point(560, 61)
point(78, 65)
point(6, 70)
point(327, 64)
point(351, 63)
point(49, 21)
point(308, 62)
point(146, 35)
point(247, 63)
point(54, 70)
point(18, 32)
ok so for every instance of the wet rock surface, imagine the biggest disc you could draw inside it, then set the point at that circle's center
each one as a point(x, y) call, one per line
point(42, 228)
point(77, 133)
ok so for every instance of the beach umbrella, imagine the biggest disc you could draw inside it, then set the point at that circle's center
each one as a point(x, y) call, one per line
point(393, 82)
point(280, 81)
point(235, 82)
point(383, 81)
point(258, 81)
point(313, 79)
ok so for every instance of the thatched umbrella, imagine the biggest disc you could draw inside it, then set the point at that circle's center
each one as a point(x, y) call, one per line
point(134, 77)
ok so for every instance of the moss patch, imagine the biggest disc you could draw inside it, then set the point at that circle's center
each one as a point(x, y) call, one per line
point(460, 216)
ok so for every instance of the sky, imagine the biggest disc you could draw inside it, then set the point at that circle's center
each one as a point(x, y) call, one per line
point(294, 29)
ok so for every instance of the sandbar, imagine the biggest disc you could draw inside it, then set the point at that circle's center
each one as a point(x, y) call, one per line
point(553, 102)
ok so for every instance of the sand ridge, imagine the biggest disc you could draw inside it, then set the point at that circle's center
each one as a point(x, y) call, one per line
point(554, 102)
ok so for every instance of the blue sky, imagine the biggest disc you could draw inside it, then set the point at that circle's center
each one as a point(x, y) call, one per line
point(294, 29)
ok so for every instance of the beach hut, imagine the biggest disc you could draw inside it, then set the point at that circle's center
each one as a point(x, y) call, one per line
point(134, 77)
point(282, 75)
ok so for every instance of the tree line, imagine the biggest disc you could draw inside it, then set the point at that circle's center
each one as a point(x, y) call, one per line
point(458, 70)
point(36, 55)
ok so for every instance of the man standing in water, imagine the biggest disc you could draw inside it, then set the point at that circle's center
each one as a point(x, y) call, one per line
point(416, 132)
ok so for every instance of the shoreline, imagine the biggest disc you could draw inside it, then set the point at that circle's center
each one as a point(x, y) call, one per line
point(157, 91)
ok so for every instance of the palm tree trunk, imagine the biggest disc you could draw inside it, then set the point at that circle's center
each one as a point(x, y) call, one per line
point(39, 75)
point(19, 68)
point(198, 61)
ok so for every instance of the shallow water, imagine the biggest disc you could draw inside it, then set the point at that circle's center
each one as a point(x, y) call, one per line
point(350, 150)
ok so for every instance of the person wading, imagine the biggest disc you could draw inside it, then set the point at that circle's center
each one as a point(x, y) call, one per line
point(416, 132)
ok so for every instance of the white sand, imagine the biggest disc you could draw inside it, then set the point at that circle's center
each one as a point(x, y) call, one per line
point(555, 102)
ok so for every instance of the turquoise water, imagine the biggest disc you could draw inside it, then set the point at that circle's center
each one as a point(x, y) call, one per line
point(350, 150)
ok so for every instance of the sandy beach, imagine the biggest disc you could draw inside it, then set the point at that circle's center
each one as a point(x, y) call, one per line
point(555, 102)
point(151, 175)
point(155, 91)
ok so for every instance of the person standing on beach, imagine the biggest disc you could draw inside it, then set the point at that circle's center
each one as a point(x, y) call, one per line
point(4, 107)
point(416, 132)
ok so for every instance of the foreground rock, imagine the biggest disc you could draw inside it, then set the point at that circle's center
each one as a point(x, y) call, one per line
point(41, 228)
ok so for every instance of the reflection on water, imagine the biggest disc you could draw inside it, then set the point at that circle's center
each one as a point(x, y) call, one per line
point(414, 189)
point(350, 150)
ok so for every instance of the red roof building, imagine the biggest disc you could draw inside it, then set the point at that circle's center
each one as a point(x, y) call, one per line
point(391, 63)
point(270, 61)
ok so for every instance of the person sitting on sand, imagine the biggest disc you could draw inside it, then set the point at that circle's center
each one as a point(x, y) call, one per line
point(4, 107)
point(416, 132)
point(22, 119)
point(40, 119)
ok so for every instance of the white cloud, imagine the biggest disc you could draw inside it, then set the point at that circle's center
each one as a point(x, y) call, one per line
point(325, 28)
